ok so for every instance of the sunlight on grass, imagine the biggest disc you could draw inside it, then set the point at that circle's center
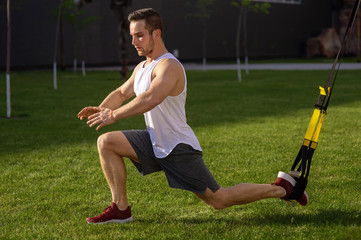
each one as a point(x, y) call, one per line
point(51, 178)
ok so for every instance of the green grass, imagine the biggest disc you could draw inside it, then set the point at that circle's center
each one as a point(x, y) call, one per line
point(51, 178)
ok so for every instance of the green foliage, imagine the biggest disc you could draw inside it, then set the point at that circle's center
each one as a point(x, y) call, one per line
point(202, 9)
point(51, 179)
point(253, 6)
point(75, 15)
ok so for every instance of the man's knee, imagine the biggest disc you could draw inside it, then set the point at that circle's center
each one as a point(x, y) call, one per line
point(218, 205)
point(117, 143)
point(217, 200)
point(108, 141)
point(103, 141)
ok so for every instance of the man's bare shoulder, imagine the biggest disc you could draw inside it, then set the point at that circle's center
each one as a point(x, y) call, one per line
point(170, 72)
point(168, 64)
point(132, 77)
point(138, 66)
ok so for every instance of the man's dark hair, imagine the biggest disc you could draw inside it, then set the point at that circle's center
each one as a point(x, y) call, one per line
point(152, 19)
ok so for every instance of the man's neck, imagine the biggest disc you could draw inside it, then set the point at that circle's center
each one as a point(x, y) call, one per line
point(157, 52)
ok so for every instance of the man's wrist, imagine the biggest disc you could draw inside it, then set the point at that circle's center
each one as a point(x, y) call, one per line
point(112, 115)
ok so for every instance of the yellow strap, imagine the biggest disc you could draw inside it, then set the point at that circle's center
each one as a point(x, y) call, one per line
point(306, 142)
point(314, 127)
point(318, 130)
point(314, 145)
point(310, 144)
point(313, 123)
point(322, 90)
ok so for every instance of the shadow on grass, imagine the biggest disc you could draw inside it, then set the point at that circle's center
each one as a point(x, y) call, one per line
point(321, 218)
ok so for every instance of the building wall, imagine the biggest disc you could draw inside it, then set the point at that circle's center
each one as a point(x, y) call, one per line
point(282, 33)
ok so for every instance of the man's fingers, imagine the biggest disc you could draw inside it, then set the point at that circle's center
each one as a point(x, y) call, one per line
point(88, 111)
point(100, 126)
point(96, 116)
point(80, 114)
point(94, 122)
point(93, 115)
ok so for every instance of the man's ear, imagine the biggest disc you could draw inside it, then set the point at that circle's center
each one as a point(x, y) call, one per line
point(157, 33)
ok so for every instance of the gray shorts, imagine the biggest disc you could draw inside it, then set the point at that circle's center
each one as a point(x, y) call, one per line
point(184, 167)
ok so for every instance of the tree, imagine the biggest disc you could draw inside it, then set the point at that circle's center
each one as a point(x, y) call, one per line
point(358, 34)
point(8, 102)
point(56, 45)
point(202, 11)
point(244, 6)
point(119, 6)
point(8, 7)
point(75, 15)
point(72, 12)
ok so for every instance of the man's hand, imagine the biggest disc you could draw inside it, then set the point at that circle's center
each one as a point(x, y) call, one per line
point(97, 116)
point(88, 111)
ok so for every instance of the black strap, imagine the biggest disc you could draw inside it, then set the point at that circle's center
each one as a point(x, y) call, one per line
point(321, 99)
point(305, 154)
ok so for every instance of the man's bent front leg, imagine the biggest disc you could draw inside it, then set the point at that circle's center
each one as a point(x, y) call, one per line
point(112, 147)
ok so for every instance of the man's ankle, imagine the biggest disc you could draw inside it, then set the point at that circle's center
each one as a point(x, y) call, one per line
point(122, 206)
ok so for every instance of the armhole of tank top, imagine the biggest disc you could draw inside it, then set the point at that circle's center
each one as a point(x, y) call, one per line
point(185, 80)
point(184, 74)
point(185, 85)
point(138, 67)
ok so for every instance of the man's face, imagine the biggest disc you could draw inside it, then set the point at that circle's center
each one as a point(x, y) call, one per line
point(142, 40)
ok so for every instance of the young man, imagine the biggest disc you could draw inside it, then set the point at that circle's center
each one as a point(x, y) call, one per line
point(159, 85)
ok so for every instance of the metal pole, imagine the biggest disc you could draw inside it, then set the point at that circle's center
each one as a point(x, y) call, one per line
point(8, 102)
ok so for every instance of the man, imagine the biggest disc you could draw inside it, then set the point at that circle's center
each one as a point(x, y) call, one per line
point(159, 85)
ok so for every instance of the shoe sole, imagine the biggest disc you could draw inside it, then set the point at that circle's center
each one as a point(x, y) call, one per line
point(113, 221)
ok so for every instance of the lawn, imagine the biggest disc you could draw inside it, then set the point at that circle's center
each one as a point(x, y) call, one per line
point(51, 178)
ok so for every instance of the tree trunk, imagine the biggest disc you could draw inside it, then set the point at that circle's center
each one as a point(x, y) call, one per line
point(119, 7)
point(62, 54)
point(123, 42)
point(8, 102)
point(245, 39)
point(204, 45)
point(358, 20)
point(238, 38)
point(56, 45)
point(75, 46)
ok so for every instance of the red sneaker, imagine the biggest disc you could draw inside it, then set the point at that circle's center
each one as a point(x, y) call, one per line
point(304, 199)
point(112, 215)
point(287, 182)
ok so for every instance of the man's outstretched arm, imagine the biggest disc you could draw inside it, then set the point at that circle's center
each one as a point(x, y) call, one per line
point(114, 100)
point(166, 78)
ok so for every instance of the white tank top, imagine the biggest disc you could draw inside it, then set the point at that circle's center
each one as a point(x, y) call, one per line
point(166, 123)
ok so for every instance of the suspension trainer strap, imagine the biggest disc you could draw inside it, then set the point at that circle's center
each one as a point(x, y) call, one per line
point(310, 141)
point(327, 88)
